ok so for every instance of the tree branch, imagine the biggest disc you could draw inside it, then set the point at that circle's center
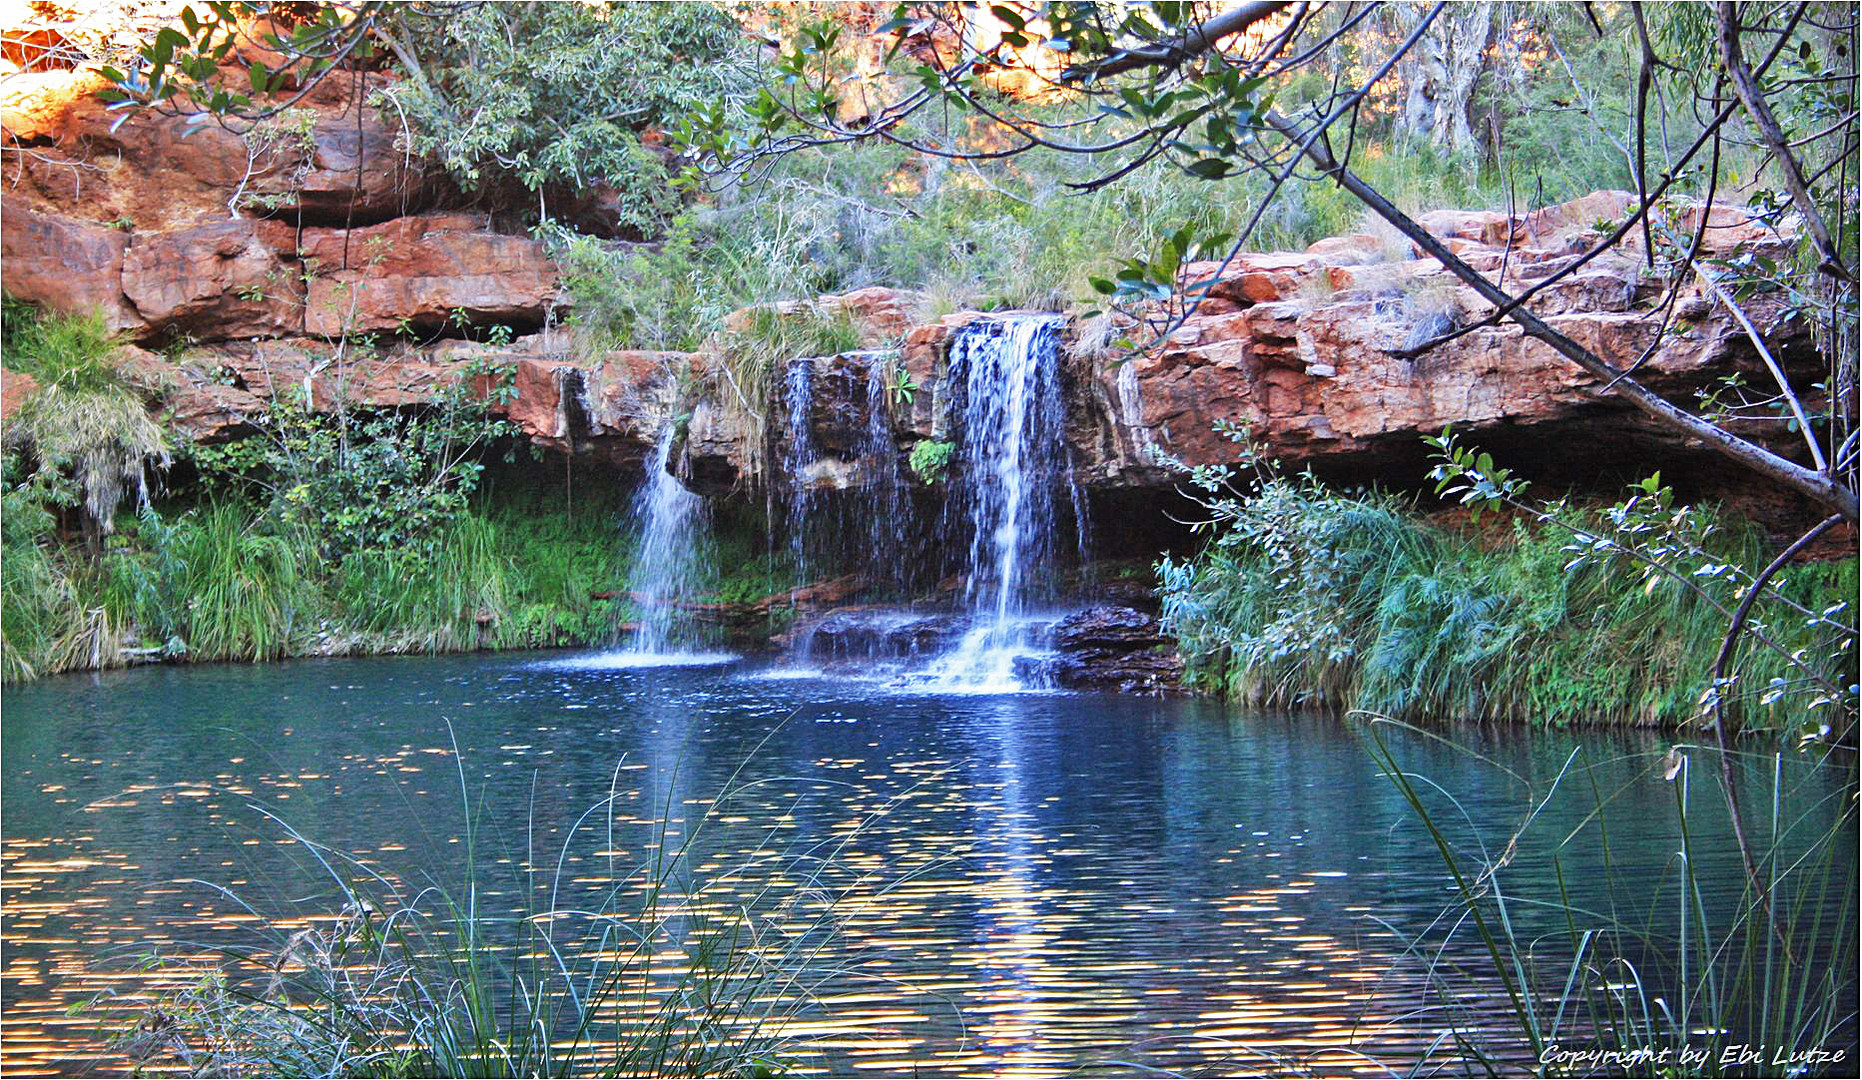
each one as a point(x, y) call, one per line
point(1193, 42)
point(1746, 86)
point(1822, 489)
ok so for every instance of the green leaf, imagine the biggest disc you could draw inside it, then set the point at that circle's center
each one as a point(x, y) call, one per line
point(1009, 17)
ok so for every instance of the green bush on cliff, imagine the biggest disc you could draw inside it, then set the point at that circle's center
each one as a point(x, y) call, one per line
point(555, 96)
point(84, 425)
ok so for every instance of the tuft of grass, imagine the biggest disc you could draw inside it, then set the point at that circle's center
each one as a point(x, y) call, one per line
point(1716, 963)
point(228, 580)
point(212, 585)
point(73, 351)
point(84, 421)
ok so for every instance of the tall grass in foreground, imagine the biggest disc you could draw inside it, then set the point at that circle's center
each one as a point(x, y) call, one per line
point(672, 966)
point(1718, 961)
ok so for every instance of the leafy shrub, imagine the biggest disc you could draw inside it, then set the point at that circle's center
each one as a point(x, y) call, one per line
point(557, 95)
point(930, 459)
point(354, 480)
point(1310, 597)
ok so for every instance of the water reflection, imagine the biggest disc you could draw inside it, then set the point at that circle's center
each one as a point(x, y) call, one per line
point(1021, 884)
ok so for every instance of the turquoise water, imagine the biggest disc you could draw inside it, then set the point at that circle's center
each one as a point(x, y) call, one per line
point(1029, 882)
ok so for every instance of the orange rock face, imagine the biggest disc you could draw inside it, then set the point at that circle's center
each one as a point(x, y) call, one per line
point(64, 264)
point(267, 260)
point(423, 272)
point(225, 279)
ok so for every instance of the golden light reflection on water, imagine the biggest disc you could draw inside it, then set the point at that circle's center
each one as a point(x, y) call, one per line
point(966, 906)
point(961, 948)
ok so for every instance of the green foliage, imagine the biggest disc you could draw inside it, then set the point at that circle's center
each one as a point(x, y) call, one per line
point(558, 94)
point(179, 69)
point(231, 579)
point(84, 426)
point(1200, 132)
point(1006, 234)
point(901, 388)
point(709, 264)
point(377, 480)
point(931, 459)
point(431, 599)
point(73, 352)
point(42, 616)
point(211, 585)
point(539, 96)
point(1306, 596)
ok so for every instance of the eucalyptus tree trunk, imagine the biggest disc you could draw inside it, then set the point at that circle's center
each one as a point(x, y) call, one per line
point(1440, 74)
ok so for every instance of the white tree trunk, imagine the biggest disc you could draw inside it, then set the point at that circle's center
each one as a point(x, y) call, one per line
point(1440, 73)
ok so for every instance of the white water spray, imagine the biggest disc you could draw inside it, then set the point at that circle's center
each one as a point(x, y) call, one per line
point(668, 567)
point(1014, 460)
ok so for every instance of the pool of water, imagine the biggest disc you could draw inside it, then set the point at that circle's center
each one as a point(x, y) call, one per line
point(1025, 883)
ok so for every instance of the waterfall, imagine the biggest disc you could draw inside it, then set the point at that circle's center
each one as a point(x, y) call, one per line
point(885, 508)
point(669, 564)
point(1011, 421)
point(798, 453)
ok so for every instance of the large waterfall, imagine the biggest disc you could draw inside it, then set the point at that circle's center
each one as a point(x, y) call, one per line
point(1013, 464)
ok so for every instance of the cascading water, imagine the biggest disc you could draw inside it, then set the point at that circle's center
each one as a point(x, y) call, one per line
point(797, 455)
point(885, 508)
point(668, 565)
point(1014, 460)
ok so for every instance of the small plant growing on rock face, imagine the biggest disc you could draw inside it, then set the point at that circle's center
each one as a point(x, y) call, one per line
point(901, 388)
point(286, 140)
point(930, 460)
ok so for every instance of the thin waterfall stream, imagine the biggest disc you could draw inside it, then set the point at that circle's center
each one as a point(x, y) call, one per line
point(668, 566)
point(797, 459)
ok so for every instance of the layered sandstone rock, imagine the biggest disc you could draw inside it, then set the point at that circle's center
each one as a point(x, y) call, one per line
point(65, 264)
point(257, 265)
point(425, 273)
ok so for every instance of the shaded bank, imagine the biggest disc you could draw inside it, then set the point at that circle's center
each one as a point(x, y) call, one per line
point(1312, 597)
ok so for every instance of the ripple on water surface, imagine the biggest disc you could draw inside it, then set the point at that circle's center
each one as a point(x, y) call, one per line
point(624, 661)
point(1022, 884)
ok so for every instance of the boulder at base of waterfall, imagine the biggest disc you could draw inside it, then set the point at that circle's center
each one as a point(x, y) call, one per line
point(882, 635)
point(1109, 648)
